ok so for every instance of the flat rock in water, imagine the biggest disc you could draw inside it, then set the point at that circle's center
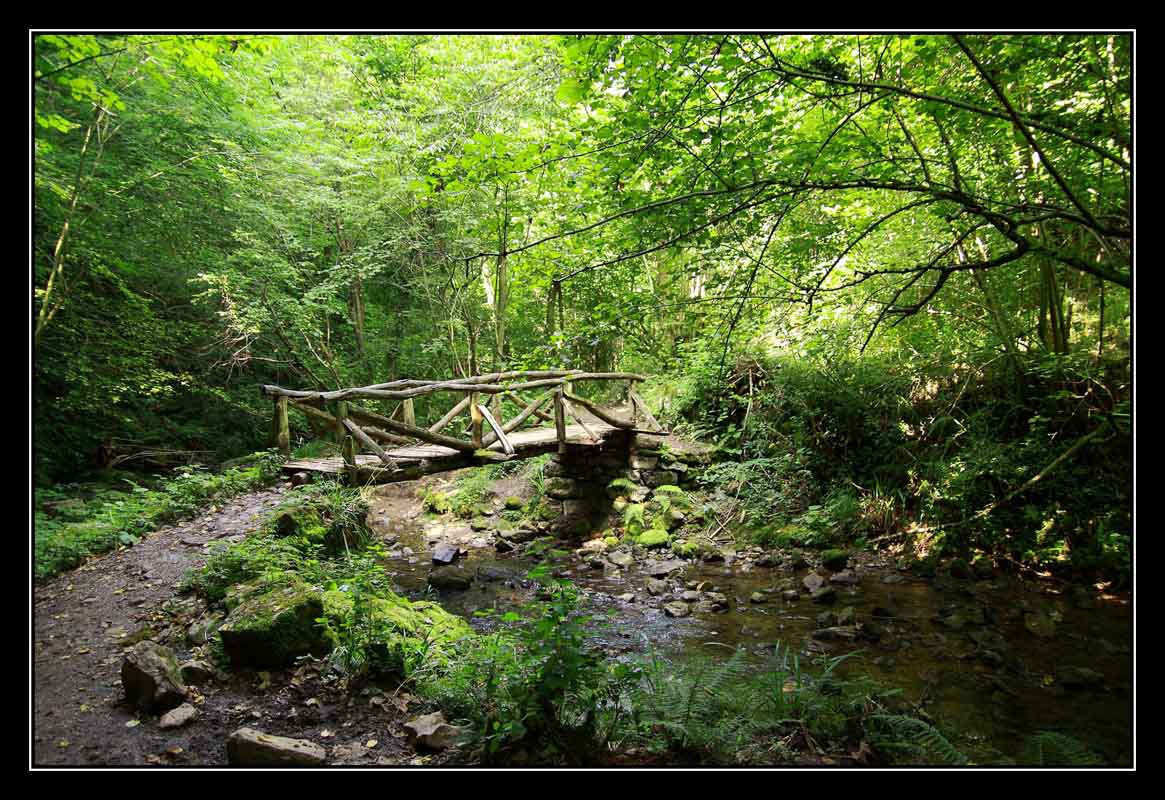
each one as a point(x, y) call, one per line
point(445, 554)
point(656, 586)
point(621, 558)
point(178, 717)
point(248, 747)
point(677, 609)
point(432, 731)
point(450, 579)
point(658, 569)
point(824, 595)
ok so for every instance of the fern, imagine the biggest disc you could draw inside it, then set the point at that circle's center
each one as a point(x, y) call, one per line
point(1050, 749)
point(915, 739)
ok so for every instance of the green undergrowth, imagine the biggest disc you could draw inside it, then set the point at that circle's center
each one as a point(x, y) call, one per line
point(944, 457)
point(70, 528)
point(469, 492)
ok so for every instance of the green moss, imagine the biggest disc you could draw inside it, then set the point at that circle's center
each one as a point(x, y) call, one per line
point(835, 559)
point(685, 549)
point(652, 538)
point(272, 628)
point(611, 541)
point(514, 503)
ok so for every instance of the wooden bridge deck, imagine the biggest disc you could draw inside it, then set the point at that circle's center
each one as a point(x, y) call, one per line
point(424, 459)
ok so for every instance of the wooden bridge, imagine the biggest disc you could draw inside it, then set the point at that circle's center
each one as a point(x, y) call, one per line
point(410, 450)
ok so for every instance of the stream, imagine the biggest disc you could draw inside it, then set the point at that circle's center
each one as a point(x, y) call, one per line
point(993, 660)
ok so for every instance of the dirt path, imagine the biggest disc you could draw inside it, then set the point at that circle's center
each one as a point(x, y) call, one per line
point(83, 619)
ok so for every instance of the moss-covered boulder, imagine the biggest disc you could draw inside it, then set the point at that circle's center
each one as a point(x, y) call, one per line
point(514, 503)
point(333, 521)
point(272, 628)
point(835, 560)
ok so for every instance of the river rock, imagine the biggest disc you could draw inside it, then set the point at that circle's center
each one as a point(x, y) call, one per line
point(594, 546)
point(446, 554)
point(659, 477)
point(479, 524)
point(658, 569)
point(432, 731)
point(844, 578)
point(177, 717)
point(677, 609)
point(450, 578)
point(847, 616)
point(789, 595)
point(503, 546)
point(248, 747)
point(757, 597)
point(824, 596)
point(518, 535)
point(151, 677)
point(812, 582)
point(657, 586)
point(690, 596)
point(621, 558)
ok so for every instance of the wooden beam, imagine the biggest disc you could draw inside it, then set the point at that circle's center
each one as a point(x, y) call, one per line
point(283, 437)
point(475, 419)
point(312, 411)
point(366, 440)
point(410, 416)
point(368, 414)
point(501, 434)
point(385, 436)
point(453, 412)
point(559, 420)
point(577, 418)
point(424, 435)
point(516, 422)
point(646, 411)
point(598, 411)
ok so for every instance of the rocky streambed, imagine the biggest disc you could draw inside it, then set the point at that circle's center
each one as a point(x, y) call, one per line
point(996, 657)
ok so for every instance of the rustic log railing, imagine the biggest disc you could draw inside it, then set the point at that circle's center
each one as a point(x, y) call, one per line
point(357, 427)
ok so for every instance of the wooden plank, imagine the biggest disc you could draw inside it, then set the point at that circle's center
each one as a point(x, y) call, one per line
point(501, 434)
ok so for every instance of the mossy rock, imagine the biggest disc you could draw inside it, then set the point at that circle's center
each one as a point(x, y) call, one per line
point(315, 520)
point(398, 626)
point(652, 538)
point(611, 541)
point(272, 628)
point(835, 560)
point(685, 549)
point(514, 503)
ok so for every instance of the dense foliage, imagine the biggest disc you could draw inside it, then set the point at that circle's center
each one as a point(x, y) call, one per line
point(889, 274)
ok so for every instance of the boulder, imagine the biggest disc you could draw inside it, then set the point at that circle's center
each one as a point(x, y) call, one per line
point(757, 597)
point(835, 560)
point(203, 629)
point(658, 569)
point(656, 586)
point(514, 503)
point(273, 628)
point(677, 609)
point(652, 538)
point(432, 731)
point(151, 677)
point(248, 747)
point(446, 554)
point(659, 477)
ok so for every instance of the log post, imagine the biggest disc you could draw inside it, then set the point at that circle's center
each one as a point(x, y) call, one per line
point(283, 436)
point(634, 404)
point(560, 420)
point(410, 416)
point(476, 420)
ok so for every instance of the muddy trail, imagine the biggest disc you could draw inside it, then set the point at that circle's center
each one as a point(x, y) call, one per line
point(84, 620)
point(991, 656)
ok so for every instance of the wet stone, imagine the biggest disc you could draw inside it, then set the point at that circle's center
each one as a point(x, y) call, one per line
point(676, 609)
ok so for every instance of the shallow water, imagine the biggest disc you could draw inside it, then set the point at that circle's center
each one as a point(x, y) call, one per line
point(932, 644)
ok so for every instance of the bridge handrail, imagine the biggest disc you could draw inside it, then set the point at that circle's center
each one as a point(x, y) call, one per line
point(557, 383)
